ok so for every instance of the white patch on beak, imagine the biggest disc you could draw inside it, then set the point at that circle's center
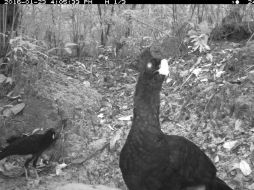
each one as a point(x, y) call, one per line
point(53, 136)
point(164, 68)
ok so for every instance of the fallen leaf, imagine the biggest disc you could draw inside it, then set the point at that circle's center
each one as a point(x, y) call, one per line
point(219, 73)
point(216, 159)
point(169, 80)
point(59, 168)
point(209, 57)
point(235, 166)
point(251, 187)
point(238, 124)
point(100, 115)
point(17, 108)
point(2, 78)
point(68, 50)
point(86, 83)
point(7, 112)
point(197, 71)
point(229, 145)
point(245, 168)
point(125, 118)
point(9, 80)
point(251, 147)
point(98, 144)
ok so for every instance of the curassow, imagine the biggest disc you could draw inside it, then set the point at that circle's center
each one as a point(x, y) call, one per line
point(33, 144)
point(152, 160)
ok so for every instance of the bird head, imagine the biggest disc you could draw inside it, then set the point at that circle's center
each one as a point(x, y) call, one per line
point(51, 133)
point(152, 70)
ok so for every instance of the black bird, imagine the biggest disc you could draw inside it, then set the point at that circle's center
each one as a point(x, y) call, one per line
point(152, 160)
point(14, 138)
point(33, 144)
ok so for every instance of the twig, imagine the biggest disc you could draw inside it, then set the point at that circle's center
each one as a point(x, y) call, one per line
point(209, 101)
point(92, 155)
point(250, 38)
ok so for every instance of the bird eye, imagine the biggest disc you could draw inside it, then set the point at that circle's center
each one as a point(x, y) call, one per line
point(149, 65)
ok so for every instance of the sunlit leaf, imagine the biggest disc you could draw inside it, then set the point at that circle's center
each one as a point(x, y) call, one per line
point(238, 124)
point(17, 108)
point(209, 57)
point(2, 78)
point(125, 118)
point(59, 168)
point(197, 71)
point(229, 144)
point(216, 159)
point(245, 168)
point(68, 50)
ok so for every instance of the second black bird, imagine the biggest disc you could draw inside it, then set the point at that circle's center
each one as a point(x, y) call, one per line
point(34, 144)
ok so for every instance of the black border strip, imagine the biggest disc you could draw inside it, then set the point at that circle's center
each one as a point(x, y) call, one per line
point(123, 2)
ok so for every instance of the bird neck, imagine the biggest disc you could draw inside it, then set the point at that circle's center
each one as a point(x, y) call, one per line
point(146, 106)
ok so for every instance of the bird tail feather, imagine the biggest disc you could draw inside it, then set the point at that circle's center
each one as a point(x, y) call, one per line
point(3, 153)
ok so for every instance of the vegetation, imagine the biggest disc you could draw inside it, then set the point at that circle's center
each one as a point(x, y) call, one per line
point(78, 62)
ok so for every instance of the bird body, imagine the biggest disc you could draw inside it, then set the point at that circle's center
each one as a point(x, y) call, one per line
point(34, 144)
point(14, 138)
point(152, 160)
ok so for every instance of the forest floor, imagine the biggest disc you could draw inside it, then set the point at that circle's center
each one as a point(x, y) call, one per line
point(208, 99)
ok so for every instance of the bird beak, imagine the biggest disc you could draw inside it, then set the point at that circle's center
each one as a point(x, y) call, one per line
point(164, 68)
point(53, 136)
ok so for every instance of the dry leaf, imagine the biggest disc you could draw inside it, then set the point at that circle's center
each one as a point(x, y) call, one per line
point(251, 187)
point(98, 144)
point(9, 80)
point(125, 118)
point(209, 57)
point(7, 112)
point(17, 108)
point(197, 71)
point(59, 168)
point(238, 124)
point(100, 115)
point(68, 50)
point(216, 159)
point(245, 167)
point(184, 73)
point(251, 147)
point(86, 83)
point(2, 78)
point(229, 145)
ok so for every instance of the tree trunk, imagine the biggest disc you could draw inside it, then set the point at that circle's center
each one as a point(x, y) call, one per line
point(102, 32)
point(8, 24)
